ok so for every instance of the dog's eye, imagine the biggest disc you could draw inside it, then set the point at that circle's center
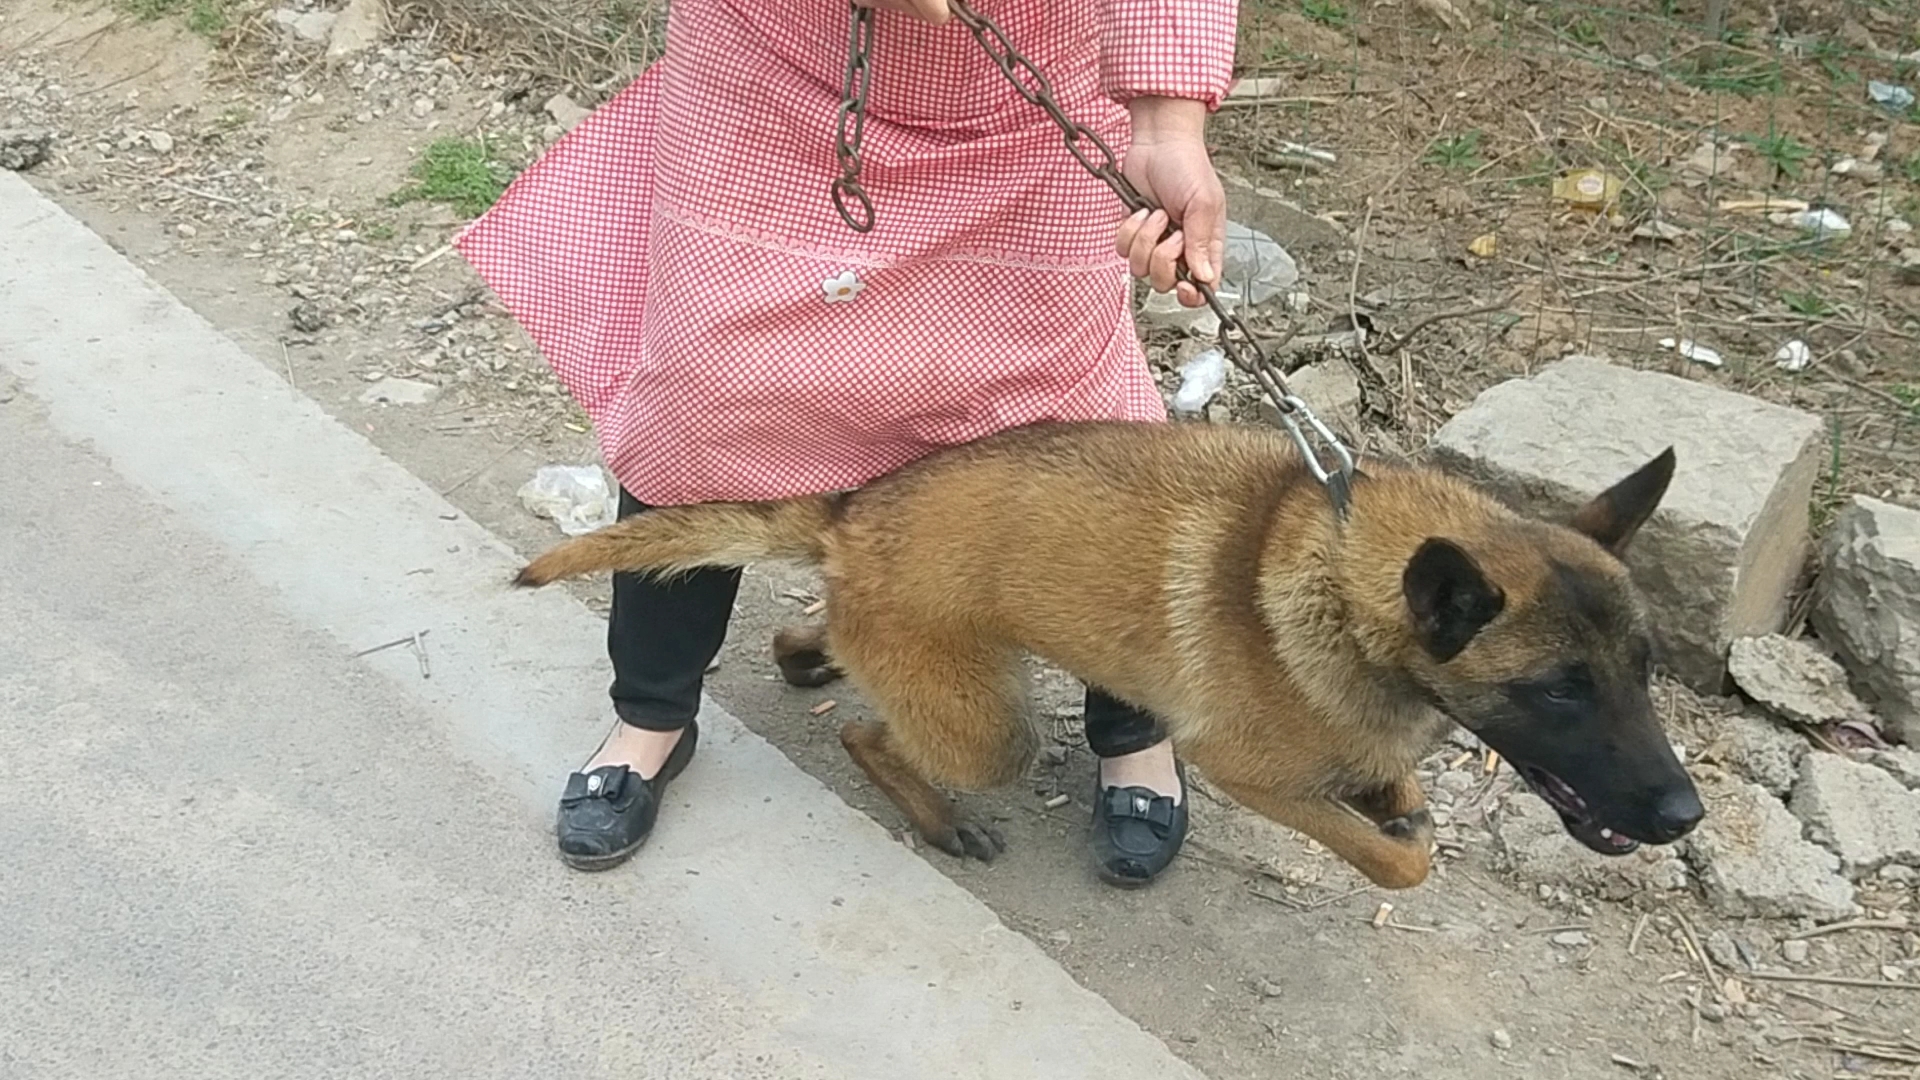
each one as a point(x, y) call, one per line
point(1562, 693)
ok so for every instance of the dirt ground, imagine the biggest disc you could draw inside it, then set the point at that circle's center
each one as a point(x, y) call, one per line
point(257, 182)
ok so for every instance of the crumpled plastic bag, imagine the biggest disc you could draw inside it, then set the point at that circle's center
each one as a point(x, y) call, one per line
point(577, 497)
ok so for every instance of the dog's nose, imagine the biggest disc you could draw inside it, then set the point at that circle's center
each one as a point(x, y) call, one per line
point(1676, 813)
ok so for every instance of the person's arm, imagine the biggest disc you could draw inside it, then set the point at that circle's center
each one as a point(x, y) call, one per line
point(1170, 62)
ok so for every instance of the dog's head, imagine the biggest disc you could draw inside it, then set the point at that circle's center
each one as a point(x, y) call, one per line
point(1532, 636)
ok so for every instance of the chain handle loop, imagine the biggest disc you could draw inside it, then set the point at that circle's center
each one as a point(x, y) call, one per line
point(1237, 340)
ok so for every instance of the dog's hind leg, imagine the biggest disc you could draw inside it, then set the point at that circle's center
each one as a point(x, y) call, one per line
point(801, 652)
point(951, 714)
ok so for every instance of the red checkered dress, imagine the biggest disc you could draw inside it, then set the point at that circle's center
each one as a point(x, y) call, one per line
point(678, 261)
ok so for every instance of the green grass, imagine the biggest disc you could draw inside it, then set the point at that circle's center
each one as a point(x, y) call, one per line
point(1783, 152)
point(204, 17)
point(1750, 79)
point(1325, 12)
point(1909, 167)
point(460, 173)
point(1458, 152)
point(1809, 304)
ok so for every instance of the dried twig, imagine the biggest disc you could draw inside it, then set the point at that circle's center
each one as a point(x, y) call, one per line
point(1832, 980)
point(1850, 924)
point(1395, 344)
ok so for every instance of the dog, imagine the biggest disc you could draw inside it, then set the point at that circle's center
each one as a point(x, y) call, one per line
point(1302, 660)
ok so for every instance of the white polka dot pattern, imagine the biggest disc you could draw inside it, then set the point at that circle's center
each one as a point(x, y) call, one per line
point(678, 261)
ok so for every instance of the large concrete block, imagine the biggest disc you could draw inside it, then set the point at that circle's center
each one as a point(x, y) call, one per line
point(1726, 548)
point(1867, 606)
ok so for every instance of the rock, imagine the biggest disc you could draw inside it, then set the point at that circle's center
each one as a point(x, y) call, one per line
point(566, 112)
point(21, 149)
point(1501, 1039)
point(1793, 679)
point(1538, 850)
point(361, 26)
point(307, 317)
point(1867, 606)
point(312, 27)
point(1763, 752)
point(1863, 814)
point(1903, 764)
point(1271, 212)
point(1330, 389)
point(1754, 862)
point(1795, 952)
point(1572, 939)
point(392, 391)
point(160, 141)
point(423, 107)
point(1721, 555)
point(1721, 948)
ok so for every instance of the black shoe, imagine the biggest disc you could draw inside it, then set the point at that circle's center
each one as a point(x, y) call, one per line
point(1136, 832)
point(606, 814)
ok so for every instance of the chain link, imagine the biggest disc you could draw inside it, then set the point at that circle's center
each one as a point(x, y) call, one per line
point(1237, 341)
point(850, 126)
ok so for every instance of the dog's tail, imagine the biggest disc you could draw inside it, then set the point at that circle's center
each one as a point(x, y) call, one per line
point(675, 539)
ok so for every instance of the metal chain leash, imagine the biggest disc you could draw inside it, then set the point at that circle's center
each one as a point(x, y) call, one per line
point(1237, 340)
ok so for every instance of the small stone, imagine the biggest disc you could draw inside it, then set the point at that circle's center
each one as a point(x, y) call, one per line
point(186, 231)
point(1572, 939)
point(21, 149)
point(1891, 973)
point(1270, 989)
point(1867, 606)
point(1501, 1039)
point(160, 141)
point(422, 107)
point(1723, 951)
point(565, 111)
point(1795, 952)
point(1763, 751)
point(1060, 938)
point(1861, 813)
point(307, 317)
point(1055, 754)
point(1794, 680)
point(1715, 1011)
point(392, 391)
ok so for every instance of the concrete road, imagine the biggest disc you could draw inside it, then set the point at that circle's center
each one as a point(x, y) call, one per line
point(231, 848)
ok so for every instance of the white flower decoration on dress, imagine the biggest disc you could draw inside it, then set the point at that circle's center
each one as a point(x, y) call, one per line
point(843, 289)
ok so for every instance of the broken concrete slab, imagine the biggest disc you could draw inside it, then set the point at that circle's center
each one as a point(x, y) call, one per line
point(1794, 680)
point(1330, 389)
point(1763, 752)
point(1720, 557)
point(1900, 763)
point(360, 26)
point(1537, 849)
point(1859, 812)
point(1753, 861)
point(1867, 606)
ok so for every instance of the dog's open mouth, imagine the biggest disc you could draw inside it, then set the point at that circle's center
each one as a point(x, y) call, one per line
point(1574, 814)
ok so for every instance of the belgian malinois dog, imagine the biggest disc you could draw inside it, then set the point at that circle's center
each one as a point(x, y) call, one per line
point(1303, 662)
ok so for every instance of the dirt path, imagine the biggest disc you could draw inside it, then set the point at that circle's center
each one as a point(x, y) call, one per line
point(265, 203)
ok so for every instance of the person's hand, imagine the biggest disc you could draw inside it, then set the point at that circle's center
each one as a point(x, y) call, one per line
point(933, 11)
point(1168, 163)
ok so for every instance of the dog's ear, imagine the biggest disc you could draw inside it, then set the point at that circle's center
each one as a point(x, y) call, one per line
point(1616, 514)
point(1450, 598)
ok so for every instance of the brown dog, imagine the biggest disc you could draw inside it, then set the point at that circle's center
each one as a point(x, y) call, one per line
point(1303, 663)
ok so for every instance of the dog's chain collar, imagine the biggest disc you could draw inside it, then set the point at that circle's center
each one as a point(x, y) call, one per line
point(1237, 340)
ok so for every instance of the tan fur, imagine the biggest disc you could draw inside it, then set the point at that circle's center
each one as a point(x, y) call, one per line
point(1196, 571)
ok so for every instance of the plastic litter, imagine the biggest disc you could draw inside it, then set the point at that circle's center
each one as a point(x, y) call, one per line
point(1821, 222)
point(1793, 356)
point(1694, 351)
point(577, 497)
point(1200, 379)
point(1587, 189)
point(1257, 268)
point(1890, 96)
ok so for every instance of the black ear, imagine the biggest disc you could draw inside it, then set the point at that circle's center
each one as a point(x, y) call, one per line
point(1617, 513)
point(1451, 599)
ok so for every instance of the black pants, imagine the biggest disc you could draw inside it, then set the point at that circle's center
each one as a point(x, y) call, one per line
point(661, 637)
